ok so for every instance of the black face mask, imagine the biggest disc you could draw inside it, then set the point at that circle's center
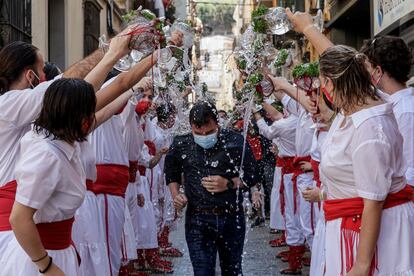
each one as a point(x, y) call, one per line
point(327, 102)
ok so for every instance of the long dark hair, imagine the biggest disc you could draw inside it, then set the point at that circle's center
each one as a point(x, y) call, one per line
point(67, 105)
point(14, 59)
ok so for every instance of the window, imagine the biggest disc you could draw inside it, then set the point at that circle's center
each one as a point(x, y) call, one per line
point(15, 21)
point(92, 26)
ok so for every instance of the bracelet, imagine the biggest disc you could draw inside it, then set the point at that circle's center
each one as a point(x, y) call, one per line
point(38, 260)
point(307, 27)
point(47, 267)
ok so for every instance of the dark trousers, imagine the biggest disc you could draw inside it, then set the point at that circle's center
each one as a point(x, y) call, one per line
point(207, 234)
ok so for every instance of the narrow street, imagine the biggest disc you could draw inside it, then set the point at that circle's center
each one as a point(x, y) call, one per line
point(259, 258)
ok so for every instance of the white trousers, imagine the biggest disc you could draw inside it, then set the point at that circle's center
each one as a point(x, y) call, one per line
point(307, 218)
point(277, 221)
point(294, 233)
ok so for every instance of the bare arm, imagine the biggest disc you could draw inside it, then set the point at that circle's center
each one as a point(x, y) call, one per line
point(117, 49)
point(25, 231)
point(108, 111)
point(124, 82)
point(283, 87)
point(80, 69)
point(303, 23)
point(370, 227)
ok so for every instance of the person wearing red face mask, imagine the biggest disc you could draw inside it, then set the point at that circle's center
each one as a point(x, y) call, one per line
point(368, 211)
point(21, 98)
point(148, 194)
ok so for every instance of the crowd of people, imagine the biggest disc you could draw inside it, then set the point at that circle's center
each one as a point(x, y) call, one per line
point(92, 182)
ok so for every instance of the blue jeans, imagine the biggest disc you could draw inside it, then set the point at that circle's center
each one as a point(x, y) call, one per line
point(207, 234)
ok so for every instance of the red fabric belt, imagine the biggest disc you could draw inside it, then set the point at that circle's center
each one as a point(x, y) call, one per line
point(7, 196)
point(56, 235)
point(350, 210)
point(111, 179)
point(286, 163)
point(142, 170)
point(152, 150)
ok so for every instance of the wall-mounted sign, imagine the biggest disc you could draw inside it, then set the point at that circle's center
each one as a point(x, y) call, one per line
point(387, 12)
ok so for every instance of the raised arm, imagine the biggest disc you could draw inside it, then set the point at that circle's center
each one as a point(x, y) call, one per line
point(124, 81)
point(117, 49)
point(283, 87)
point(303, 23)
point(80, 69)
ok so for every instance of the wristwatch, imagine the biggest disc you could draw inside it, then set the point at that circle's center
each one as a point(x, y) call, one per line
point(230, 184)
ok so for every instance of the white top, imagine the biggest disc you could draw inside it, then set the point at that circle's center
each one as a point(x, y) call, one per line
point(163, 138)
point(130, 132)
point(304, 132)
point(18, 109)
point(50, 177)
point(282, 132)
point(88, 160)
point(363, 157)
point(317, 142)
point(108, 143)
point(403, 107)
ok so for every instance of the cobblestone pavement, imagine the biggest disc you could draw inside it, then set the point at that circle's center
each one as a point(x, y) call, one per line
point(259, 258)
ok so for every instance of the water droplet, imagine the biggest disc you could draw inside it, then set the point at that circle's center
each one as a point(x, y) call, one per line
point(183, 156)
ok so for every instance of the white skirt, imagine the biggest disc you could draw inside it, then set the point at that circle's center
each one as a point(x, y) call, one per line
point(147, 228)
point(5, 238)
point(317, 267)
point(88, 234)
point(395, 246)
point(16, 262)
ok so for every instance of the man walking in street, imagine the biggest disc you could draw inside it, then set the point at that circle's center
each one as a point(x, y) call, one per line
point(210, 159)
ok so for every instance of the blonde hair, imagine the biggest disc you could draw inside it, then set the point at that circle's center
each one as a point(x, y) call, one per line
point(346, 67)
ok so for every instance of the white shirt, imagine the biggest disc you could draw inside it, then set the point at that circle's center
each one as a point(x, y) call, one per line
point(304, 132)
point(403, 107)
point(363, 157)
point(88, 160)
point(130, 132)
point(283, 132)
point(108, 143)
point(50, 177)
point(317, 142)
point(18, 109)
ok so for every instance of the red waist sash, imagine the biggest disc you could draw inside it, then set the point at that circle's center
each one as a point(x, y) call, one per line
point(7, 195)
point(315, 168)
point(111, 179)
point(56, 235)
point(350, 210)
point(286, 163)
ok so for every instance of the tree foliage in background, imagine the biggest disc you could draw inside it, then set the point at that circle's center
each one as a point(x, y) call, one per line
point(218, 17)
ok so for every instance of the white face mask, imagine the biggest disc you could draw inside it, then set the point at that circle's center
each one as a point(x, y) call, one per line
point(38, 80)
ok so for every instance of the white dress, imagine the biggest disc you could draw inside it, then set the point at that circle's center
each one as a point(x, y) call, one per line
point(88, 231)
point(362, 157)
point(51, 179)
point(108, 143)
point(18, 109)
